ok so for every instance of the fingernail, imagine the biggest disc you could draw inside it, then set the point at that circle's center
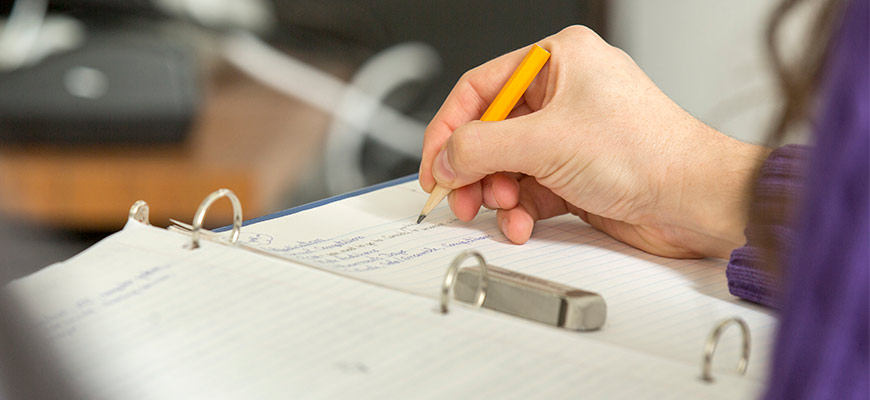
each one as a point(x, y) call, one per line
point(443, 171)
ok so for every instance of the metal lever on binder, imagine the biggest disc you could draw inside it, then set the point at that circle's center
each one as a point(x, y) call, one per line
point(531, 297)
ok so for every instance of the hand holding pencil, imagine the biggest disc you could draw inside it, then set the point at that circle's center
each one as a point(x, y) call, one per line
point(592, 136)
point(500, 107)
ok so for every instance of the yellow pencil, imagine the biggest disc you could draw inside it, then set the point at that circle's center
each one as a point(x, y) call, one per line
point(499, 109)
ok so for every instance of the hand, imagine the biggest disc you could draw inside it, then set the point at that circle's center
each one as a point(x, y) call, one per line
point(592, 136)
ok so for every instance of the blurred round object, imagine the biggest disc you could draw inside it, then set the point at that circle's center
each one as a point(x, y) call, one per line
point(86, 82)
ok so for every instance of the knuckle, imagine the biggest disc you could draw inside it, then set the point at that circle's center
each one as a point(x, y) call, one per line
point(578, 33)
point(464, 78)
point(467, 77)
point(581, 38)
point(574, 39)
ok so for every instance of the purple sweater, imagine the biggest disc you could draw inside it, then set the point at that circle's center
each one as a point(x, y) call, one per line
point(822, 349)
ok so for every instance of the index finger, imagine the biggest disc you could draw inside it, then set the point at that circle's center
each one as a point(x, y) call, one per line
point(466, 102)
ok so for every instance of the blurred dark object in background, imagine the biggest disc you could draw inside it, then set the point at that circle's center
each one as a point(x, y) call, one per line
point(113, 80)
point(119, 87)
point(465, 33)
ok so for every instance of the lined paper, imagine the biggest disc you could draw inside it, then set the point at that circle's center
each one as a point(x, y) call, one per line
point(140, 316)
point(663, 307)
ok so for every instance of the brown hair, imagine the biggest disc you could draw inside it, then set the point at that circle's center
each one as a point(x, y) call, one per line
point(798, 83)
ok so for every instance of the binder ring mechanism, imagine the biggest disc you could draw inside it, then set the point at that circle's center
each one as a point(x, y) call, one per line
point(450, 279)
point(139, 212)
point(203, 207)
point(713, 340)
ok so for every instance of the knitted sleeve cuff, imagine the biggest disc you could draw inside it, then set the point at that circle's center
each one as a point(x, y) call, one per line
point(781, 176)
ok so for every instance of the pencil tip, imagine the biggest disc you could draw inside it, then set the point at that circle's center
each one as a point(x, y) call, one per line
point(420, 218)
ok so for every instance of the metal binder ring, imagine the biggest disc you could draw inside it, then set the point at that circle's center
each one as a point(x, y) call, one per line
point(139, 212)
point(206, 203)
point(450, 279)
point(713, 340)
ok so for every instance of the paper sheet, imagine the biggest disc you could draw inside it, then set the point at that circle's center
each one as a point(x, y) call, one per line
point(139, 316)
point(660, 306)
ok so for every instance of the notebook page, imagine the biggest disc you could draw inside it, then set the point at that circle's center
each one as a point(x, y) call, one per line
point(138, 316)
point(661, 306)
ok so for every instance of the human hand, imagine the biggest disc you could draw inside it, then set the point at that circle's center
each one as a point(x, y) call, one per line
point(592, 136)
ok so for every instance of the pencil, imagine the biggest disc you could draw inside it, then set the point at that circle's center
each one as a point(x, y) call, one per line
point(500, 107)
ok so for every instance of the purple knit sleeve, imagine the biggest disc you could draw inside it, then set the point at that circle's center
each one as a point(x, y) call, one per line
point(781, 177)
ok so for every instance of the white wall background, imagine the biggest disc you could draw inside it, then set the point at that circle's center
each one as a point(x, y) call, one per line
point(707, 55)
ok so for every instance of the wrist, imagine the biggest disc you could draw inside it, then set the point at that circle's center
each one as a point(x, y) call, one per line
point(717, 191)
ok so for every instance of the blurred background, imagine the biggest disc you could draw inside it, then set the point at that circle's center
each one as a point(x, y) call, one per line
point(105, 102)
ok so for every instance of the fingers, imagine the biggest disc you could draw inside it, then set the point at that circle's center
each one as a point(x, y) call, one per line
point(516, 224)
point(478, 87)
point(535, 203)
point(472, 94)
point(466, 201)
point(478, 149)
point(519, 203)
point(494, 192)
point(500, 191)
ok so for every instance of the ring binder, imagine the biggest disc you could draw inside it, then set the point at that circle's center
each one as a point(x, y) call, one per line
point(378, 312)
point(713, 340)
point(495, 288)
point(203, 207)
point(450, 279)
point(139, 212)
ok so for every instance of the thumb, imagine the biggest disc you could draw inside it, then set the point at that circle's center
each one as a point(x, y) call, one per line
point(478, 149)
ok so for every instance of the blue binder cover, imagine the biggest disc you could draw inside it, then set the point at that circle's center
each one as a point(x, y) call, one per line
point(318, 203)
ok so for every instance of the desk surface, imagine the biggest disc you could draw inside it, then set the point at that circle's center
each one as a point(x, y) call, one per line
point(247, 138)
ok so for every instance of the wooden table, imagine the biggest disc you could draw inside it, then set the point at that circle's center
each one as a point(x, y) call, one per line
point(246, 138)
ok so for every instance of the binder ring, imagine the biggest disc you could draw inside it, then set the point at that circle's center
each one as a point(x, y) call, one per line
point(139, 212)
point(450, 279)
point(206, 203)
point(713, 340)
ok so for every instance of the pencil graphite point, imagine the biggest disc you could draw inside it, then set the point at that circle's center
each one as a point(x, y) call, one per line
point(420, 218)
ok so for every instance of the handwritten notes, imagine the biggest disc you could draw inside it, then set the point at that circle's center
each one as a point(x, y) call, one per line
point(368, 251)
point(660, 306)
point(63, 322)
